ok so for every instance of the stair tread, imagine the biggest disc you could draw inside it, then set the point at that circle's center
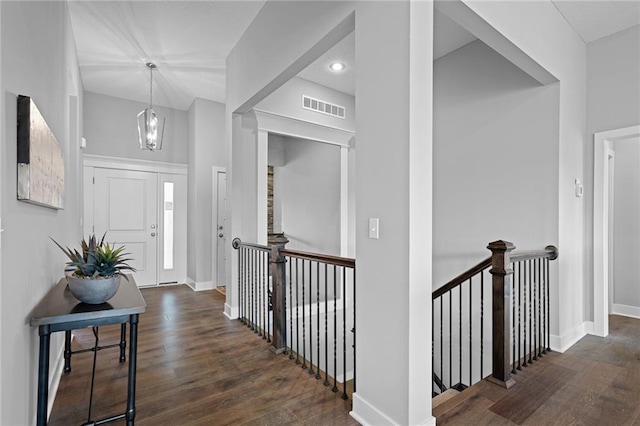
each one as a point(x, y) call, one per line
point(444, 396)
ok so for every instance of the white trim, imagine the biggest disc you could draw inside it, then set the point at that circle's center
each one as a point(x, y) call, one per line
point(200, 285)
point(571, 337)
point(344, 201)
point(281, 124)
point(122, 163)
point(626, 310)
point(601, 146)
point(366, 414)
point(54, 383)
point(231, 312)
point(262, 160)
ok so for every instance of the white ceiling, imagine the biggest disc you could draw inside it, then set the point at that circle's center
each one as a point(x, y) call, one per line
point(593, 20)
point(190, 40)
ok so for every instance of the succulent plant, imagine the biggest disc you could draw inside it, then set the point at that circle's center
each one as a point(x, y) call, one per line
point(97, 259)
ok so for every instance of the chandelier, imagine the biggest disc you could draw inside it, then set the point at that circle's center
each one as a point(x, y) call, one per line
point(148, 121)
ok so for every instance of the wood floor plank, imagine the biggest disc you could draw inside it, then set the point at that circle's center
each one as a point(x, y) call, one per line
point(596, 382)
point(195, 367)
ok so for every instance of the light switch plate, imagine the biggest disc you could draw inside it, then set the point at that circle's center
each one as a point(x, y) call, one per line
point(374, 228)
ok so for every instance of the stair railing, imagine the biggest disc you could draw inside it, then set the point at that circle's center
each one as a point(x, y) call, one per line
point(304, 305)
point(516, 327)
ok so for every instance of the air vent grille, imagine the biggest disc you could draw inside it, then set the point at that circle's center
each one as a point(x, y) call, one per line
point(322, 107)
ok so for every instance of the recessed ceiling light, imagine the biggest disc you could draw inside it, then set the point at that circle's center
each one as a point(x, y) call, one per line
point(337, 66)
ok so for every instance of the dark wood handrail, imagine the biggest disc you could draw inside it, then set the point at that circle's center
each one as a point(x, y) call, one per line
point(463, 277)
point(550, 252)
point(323, 258)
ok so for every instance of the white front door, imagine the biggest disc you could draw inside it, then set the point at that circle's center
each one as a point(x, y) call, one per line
point(125, 207)
point(221, 228)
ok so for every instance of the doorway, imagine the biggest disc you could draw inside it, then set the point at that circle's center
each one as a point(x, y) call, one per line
point(142, 208)
point(601, 223)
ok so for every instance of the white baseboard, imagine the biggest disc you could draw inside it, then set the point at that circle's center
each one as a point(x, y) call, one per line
point(571, 337)
point(200, 285)
point(54, 383)
point(366, 414)
point(625, 310)
point(231, 312)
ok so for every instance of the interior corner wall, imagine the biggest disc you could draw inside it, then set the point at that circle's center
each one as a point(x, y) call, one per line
point(307, 195)
point(206, 140)
point(613, 102)
point(495, 158)
point(38, 59)
point(626, 233)
point(541, 32)
point(110, 129)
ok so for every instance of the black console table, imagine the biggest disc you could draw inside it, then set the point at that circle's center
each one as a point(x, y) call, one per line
point(60, 311)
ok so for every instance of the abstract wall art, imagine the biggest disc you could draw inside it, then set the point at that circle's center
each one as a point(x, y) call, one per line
point(40, 160)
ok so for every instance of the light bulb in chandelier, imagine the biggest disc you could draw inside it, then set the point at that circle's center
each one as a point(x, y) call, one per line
point(149, 136)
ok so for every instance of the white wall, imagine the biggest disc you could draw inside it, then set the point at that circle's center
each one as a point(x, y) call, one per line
point(626, 212)
point(39, 60)
point(307, 196)
point(393, 379)
point(613, 102)
point(206, 149)
point(540, 32)
point(495, 159)
point(110, 128)
point(287, 101)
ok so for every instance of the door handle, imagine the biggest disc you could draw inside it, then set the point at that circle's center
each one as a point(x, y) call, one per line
point(153, 234)
point(221, 235)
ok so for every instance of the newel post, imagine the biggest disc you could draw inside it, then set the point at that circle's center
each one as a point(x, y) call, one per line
point(501, 272)
point(278, 295)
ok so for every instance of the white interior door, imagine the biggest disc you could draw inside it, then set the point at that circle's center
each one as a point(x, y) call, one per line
point(221, 228)
point(125, 206)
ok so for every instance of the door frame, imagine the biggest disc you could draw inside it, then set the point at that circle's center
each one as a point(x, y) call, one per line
point(120, 163)
point(602, 144)
point(214, 223)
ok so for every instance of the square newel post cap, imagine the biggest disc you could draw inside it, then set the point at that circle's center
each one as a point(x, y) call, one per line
point(501, 245)
point(277, 239)
point(500, 263)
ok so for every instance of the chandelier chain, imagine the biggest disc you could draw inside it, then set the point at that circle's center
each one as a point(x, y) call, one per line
point(150, 87)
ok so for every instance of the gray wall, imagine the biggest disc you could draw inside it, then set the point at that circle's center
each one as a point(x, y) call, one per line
point(626, 211)
point(287, 101)
point(206, 149)
point(494, 156)
point(613, 102)
point(38, 60)
point(110, 128)
point(306, 196)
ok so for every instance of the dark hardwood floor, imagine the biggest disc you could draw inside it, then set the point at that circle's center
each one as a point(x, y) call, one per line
point(596, 382)
point(195, 367)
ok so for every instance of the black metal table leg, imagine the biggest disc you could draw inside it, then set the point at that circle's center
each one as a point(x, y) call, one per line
point(123, 341)
point(67, 351)
point(43, 375)
point(131, 387)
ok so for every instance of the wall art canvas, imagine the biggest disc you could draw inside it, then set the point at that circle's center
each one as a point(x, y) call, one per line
point(40, 160)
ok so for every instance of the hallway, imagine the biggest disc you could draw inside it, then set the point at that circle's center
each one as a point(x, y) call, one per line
point(195, 367)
